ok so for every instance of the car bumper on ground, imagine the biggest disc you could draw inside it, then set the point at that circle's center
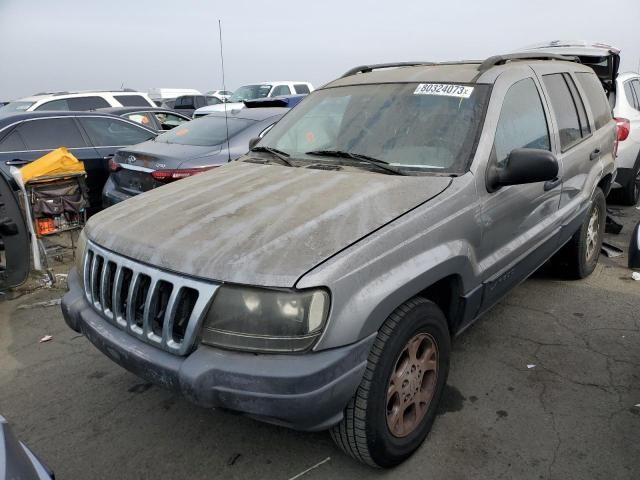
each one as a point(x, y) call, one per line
point(111, 195)
point(304, 391)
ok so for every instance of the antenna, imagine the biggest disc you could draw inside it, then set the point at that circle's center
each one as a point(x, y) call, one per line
point(224, 87)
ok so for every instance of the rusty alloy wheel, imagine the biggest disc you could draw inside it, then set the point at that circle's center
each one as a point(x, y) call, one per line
point(412, 385)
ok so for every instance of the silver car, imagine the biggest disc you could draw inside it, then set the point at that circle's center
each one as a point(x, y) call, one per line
point(317, 281)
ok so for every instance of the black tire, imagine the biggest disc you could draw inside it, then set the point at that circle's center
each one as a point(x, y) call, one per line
point(630, 193)
point(364, 433)
point(574, 258)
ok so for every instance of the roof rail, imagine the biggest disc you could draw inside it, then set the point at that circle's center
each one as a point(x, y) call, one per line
point(370, 68)
point(502, 59)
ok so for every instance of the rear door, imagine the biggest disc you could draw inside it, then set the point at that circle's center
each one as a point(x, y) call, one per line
point(108, 135)
point(577, 146)
point(14, 239)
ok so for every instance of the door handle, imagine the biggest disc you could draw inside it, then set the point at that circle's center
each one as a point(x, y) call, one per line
point(595, 154)
point(16, 162)
point(108, 157)
point(551, 184)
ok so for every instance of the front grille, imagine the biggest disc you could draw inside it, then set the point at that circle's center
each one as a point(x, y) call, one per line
point(158, 307)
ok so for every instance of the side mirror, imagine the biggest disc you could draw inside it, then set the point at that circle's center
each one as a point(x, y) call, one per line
point(253, 142)
point(524, 165)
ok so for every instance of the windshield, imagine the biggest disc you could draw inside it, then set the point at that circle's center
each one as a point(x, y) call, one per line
point(16, 107)
point(205, 131)
point(250, 92)
point(425, 127)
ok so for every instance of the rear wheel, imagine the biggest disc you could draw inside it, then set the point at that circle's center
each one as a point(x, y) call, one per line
point(630, 194)
point(580, 256)
point(395, 405)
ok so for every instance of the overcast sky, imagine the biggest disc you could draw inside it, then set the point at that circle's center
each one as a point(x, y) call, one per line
point(102, 44)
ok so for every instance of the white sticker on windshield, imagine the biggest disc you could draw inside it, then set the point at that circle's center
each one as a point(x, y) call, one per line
point(444, 89)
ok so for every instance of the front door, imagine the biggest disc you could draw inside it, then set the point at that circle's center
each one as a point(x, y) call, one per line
point(14, 239)
point(518, 221)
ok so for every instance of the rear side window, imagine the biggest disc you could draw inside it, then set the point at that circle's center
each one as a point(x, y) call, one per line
point(213, 100)
point(51, 133)
point(597, 98)
point(280, 90)
point(132, 100)
point(12, 143)
point(54, 105)
point(522, 123)
point(301, 88)
point(112, 132)
point(143, 118)
point(185, 102)
point(635, 86)
point(585, 128)
point(87, 103)
point(168, 121)
point(631, 97)
point(565, 110)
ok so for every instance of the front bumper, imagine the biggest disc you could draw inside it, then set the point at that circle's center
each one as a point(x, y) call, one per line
point(305, 392)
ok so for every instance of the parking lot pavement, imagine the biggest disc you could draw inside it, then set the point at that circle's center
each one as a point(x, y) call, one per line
point(542, 387)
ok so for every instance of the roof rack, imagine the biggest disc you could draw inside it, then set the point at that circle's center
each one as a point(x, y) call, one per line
point(379, 66)
point(502, 59)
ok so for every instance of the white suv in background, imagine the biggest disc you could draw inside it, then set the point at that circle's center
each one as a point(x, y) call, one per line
point(78, 101)
point(623, 92)
point(628, 161)
point(255, 91)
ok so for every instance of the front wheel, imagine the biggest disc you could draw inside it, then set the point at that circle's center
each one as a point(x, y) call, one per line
point(395, 405)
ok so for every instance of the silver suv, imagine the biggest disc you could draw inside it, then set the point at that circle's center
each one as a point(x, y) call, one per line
point(317, 282)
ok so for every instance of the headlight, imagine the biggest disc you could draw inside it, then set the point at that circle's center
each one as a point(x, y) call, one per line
point(79, 259)
point(257, 319)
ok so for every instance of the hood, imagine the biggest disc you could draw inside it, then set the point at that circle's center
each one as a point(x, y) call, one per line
point(153, 155)
point(257, 224)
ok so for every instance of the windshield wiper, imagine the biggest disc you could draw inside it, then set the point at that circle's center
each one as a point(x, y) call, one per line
point(381, 164)
point(279, 154)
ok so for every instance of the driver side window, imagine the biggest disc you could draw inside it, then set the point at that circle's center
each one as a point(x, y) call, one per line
point(522, 123)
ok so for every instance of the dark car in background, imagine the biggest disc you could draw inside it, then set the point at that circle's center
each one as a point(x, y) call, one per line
point(189, 149)
point(91, 137)
point(158, 119)
point(188, 104)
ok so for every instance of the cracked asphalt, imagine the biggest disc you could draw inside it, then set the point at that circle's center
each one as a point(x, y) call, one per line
point(544, 386)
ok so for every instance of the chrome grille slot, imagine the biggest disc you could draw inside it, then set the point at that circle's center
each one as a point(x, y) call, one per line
point(158, 307)
point(140, 299)
point(187, 299)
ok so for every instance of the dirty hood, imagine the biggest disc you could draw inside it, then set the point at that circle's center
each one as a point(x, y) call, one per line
point(257, 224)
